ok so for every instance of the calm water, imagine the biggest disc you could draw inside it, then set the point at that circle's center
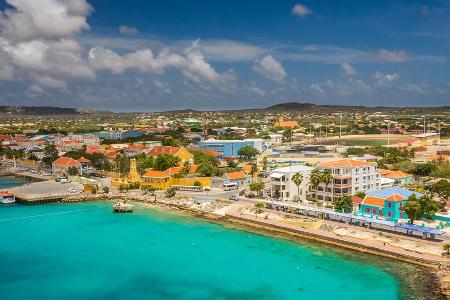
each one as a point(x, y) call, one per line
point(11, 181)
point(83, 251)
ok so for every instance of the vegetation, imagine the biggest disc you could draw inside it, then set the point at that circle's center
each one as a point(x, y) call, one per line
point(416, 208)
point(446, 248)
point(73, 171)
point(105, 189)
point(259, 206)
point(297, 178)
point(50, 154)
point(170, 192)
point(344, 203)
point(248, 152)
point(256, 186)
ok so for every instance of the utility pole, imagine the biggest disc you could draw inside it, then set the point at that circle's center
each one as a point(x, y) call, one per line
point(424, 130)
point(340, 126)
point(389, 123)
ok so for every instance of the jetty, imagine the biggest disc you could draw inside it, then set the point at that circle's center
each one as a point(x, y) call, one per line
point(122, 207)
point(45, 192)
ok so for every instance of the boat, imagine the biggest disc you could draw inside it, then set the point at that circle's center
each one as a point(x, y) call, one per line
point(122, 207)
point(6, 197)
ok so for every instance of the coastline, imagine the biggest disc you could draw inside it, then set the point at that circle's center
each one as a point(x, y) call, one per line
point(439, 269)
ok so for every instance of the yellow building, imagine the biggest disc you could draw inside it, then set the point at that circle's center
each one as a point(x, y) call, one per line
point(287, 124)
point(180, 152)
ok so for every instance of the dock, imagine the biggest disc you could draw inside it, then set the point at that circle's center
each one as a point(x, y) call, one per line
point(44, 192)
point(122, 207)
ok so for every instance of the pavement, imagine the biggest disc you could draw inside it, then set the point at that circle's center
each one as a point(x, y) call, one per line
point(45, 189)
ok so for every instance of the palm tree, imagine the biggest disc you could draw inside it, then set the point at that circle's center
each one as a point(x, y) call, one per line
point(265, 163)
point(315, 178)
point(297, 178)
point(253, 170)
point(446, 248)
point(327, 178)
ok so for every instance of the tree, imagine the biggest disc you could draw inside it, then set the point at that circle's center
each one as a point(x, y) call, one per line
point(424, 169)
point(248, 152)
point(122, 164)
point(105, 189)
point(315, 178)
point(256, 187)
point(412, 209)
point(32, 157)
point(344, 203)
point(265, 163)
point(441, 189)
point(50, 154)
point(287, 135)
point(297, 178)
point(170, 192)
point(170, 141)
point(73, 171)
point(253, 170)
point(185, 169)
point(260, 207)
point(165, 161)
point(360, 194)
point(198, 183)
point(428, 207)
point(326, 177)
point(446, 248)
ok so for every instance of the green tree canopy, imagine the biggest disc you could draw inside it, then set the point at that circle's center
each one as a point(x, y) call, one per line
point(344, 203)
point(248, 152)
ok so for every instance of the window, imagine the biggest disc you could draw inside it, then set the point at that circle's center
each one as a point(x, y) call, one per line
point(368, 210)
point(389, 204)
point(389, 214)
point(380, 212)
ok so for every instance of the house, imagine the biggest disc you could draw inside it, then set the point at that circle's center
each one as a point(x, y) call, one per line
point(349, 177)
point(180, 152)
point(282, 186)
point(166, 179)
point(230, 148)
point(387, 203)
point(134, 150)
point(399, 177)
point(61, 166)
point(287, 124)
point(356, 202)
point(238, 177)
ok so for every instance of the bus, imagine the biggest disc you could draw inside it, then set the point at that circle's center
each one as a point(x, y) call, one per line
point(230, 186)
point(187, 188)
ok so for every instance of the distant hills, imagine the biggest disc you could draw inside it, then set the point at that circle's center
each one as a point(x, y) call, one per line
point(43, 110)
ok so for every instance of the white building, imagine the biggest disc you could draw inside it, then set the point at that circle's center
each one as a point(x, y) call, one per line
point(276, 138)
point(349, 177)
point(283, 188)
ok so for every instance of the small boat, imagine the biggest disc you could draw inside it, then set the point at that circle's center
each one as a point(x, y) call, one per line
point(122, 207)
point(6, 197)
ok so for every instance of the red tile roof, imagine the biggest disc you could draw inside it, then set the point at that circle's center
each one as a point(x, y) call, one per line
point(344, 163)
point(83, 160)
point(395, 198)
point(157, 150)
point(374, 201)
point(356, 200)
point(236, 175)
point(66, 161)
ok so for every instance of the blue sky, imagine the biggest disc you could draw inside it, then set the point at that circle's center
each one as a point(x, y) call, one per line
point(159, 55)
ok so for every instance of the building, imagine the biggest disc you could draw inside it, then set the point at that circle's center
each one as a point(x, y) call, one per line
point(349, 177)
point(230, 148)
point(276, 138)
point(428, 138)
point(238, 177)
point(399, 177)
point(287, 124)
point(123, 134)
point(180, 152)
point(387, 203)
point(283, 188)
point(62, 165)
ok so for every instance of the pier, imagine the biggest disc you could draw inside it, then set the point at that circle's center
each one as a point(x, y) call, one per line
point(45, 192)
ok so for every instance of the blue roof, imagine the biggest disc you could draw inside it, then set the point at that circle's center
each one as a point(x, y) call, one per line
point(389, 191)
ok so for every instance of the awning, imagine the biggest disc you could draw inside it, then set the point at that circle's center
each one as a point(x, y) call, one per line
point(276, 175)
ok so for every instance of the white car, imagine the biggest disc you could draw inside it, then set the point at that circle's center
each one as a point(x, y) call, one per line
point(65, 181)
point(234, 197)
point(47, 174)
point(72, 190)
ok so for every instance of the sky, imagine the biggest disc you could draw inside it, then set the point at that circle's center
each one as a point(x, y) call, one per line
point(143, 55)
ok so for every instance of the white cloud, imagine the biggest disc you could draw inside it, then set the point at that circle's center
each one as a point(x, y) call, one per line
point(253, 88)
point(48, 81)
point(6, 72)
point(399, 56)
point(301, 10)
point(229, 51)
point(385, 78)
point(333, 88)
point(34, 90)
point(415, 88)
point(270, 68)
point(43, 19)
point(347, 69)
point(128, 30)
point(191, 64)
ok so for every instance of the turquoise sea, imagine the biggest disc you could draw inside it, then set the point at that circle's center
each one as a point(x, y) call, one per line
point(84, 251)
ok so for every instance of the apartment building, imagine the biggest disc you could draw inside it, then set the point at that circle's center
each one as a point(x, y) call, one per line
point(283, 188)
point(349, 177)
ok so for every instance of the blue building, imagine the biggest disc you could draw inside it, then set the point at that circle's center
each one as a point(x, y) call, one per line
point(118, 135)
point(230, 148)
point(387, 203)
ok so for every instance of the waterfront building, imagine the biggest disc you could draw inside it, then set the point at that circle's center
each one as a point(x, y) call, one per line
point(62, 165)
point(238, 177)
point(282, 186)
point(230, 148)
point(387, 203)
point(349, 177)
point(400, 178)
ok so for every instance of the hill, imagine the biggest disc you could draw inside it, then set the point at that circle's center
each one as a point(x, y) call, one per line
point(43, 110)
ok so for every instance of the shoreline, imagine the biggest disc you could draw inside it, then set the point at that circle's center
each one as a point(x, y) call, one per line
point(439, 269)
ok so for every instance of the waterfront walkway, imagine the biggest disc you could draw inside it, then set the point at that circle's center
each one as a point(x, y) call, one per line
point(372, 246)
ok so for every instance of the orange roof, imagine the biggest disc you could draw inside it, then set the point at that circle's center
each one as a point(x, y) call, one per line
point(211, 152)
point(437, 157)
point(83, 160)
point(66, 161)
point(344, 163)
point(393, 174)
point(137, 147)
point(356, 200)
point(111, 153)
point(92, 150)
point(164, 150)
point(395, 198)
point(291, 124)
point(374, 201)
point(158, 174)
point(235, 175)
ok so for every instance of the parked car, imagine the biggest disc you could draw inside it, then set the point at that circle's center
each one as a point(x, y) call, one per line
point(72, 190)
point(46, 173)
point(234, 197)
point(65, 180)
